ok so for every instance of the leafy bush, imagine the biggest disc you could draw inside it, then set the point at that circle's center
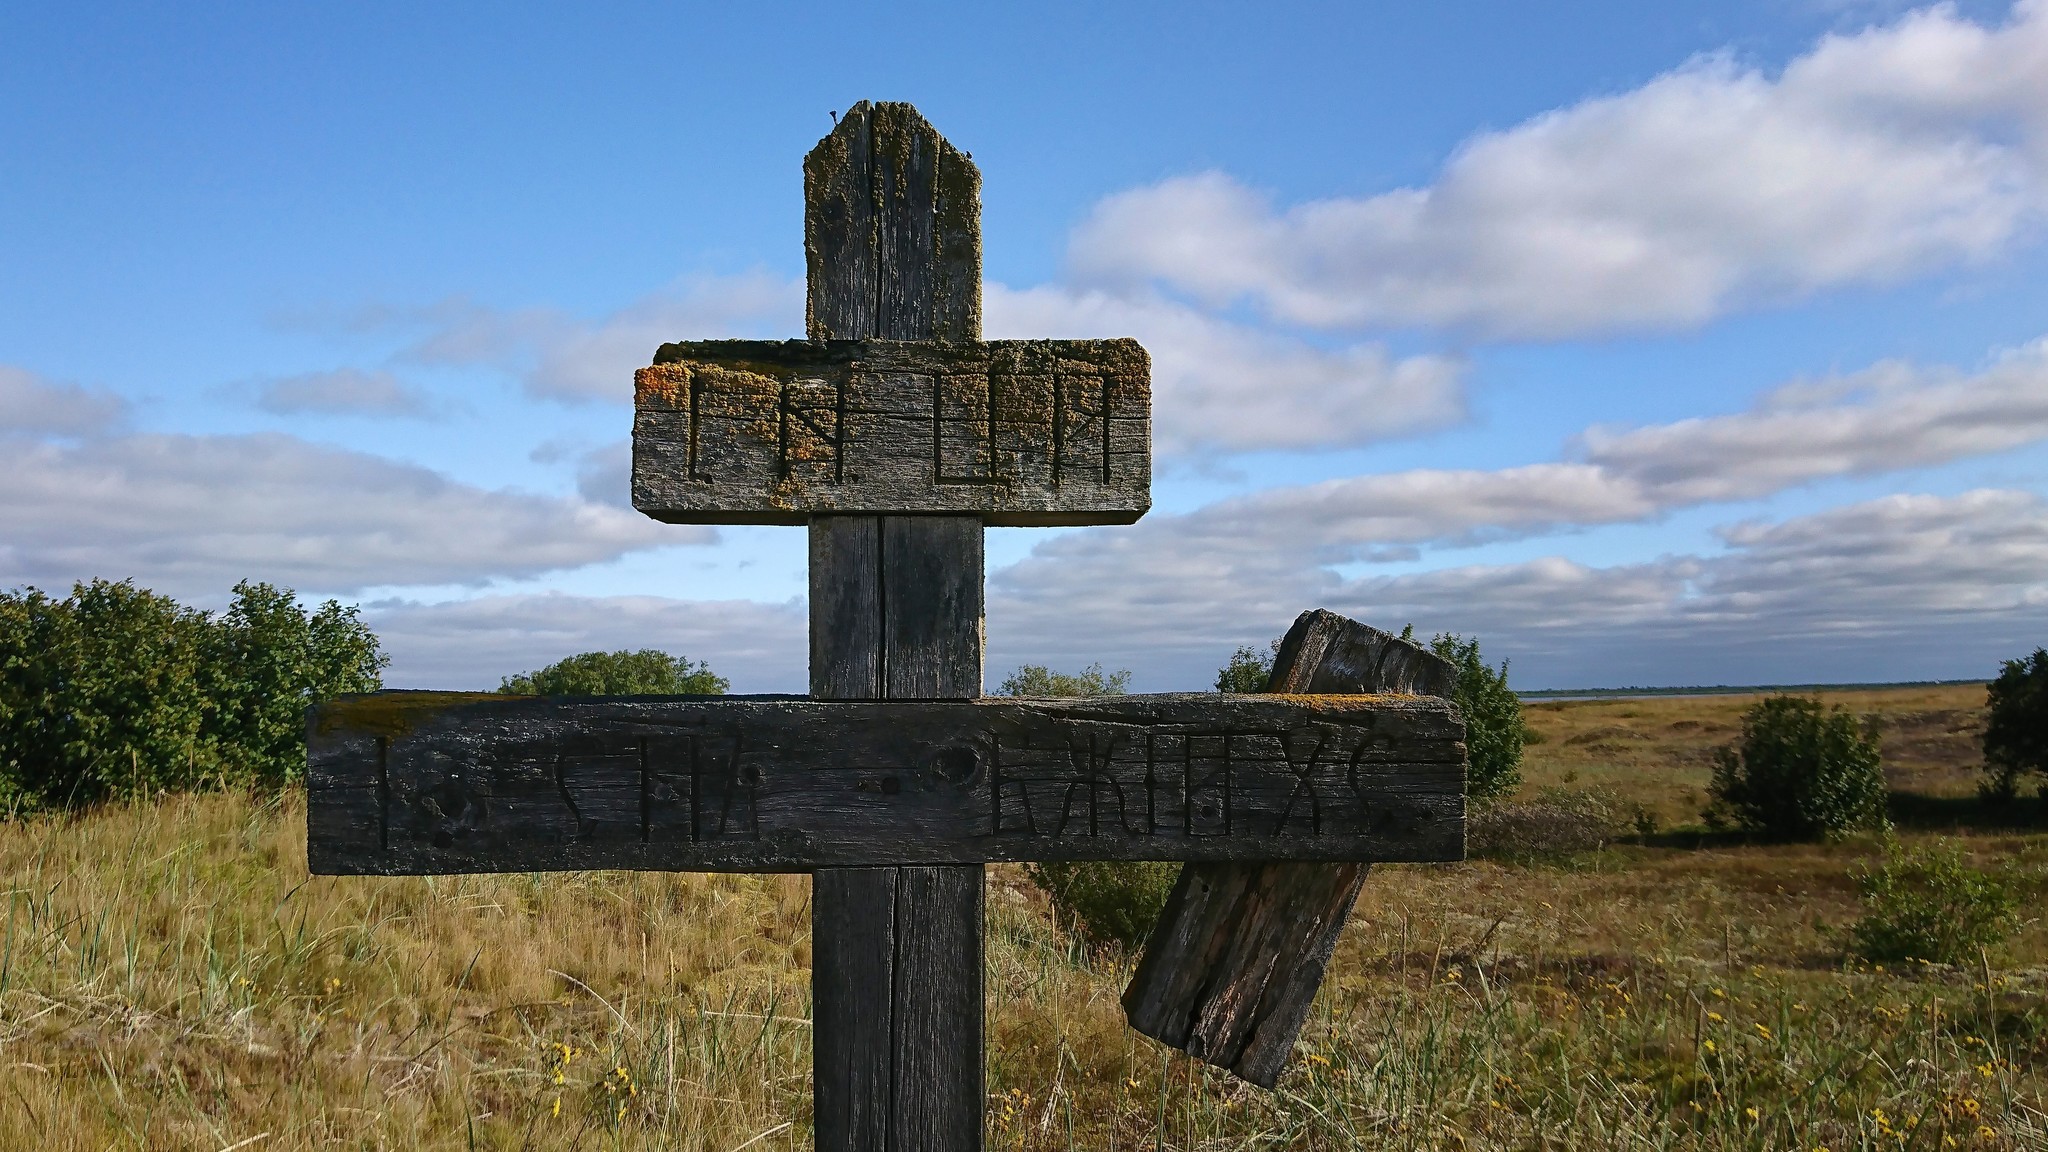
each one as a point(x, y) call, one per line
point(117, 690)
point(270, 660)
point(1494, 733)
point(648, 672)
point(1247, 671)
point(1559, 822)
point(1800, 770)
point(2016, 732)
point(1111, 902)
point(1038, 680)
point(1927, 904)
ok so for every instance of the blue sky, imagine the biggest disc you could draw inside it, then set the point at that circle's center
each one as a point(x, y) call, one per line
point(1678, 343)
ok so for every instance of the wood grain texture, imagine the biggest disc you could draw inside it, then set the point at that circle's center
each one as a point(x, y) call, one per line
point(1018, 432)
point(853, 1016)
point(939, 1001)
point(1233, 965)
point(932, 627)
point(892, 230)
point(892, 236)
point(412, 783)
point(846, 622)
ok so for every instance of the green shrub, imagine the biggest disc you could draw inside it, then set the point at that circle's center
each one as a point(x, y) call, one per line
point(1800, 771)
point(1247, 671)
point(116, 690)
point(1927, 904)
point(1494, 732)
point(647, 672)
point(1111, 902)
point(2016, 730)
point(269, 660)
point(1038, 680)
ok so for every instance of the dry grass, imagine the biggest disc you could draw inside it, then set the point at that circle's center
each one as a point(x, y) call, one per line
point(172, 979)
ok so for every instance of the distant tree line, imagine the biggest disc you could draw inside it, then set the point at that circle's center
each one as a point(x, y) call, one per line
point(115, 690)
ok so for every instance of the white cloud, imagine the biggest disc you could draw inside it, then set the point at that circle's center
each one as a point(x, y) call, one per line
point(193, 514)
point(559, 356)
point(1886, 418)
point(34, 406)
point(473, 644)
point(1879, 155)
point(1176, 587)
point(1224, 386)
point(343, 392)
point(1901, 587)
point(605, 475)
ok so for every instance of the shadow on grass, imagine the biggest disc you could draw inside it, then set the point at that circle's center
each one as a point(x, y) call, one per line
point(1920, 812)
point(1692, 839)
point(1909, 812)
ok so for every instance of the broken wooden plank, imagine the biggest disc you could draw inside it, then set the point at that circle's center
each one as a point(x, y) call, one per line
point(1017, 432)
point(1233, 965)
point(411, 783)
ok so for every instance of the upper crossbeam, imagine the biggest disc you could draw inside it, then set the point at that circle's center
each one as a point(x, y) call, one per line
point(1018, 432)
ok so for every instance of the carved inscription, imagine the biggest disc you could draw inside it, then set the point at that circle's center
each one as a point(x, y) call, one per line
point(1020, 431)
point(1174, 780)
point(777, 783)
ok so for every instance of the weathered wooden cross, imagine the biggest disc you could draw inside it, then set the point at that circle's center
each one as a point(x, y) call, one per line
point(895, 432)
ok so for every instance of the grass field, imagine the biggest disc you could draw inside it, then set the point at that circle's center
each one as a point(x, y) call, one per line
point(171, 978)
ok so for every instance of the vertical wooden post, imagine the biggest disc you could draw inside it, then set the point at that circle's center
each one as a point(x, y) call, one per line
point(892, 236)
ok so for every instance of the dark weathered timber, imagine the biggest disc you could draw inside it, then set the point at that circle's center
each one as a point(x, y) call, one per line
point(892, 231)
point(892, 236)
point(853, 978)
point(1324, 652)
point(1234, 962)
point(412, 783)
point(1017, 432)
point(930, 1032)
point(846, 607)
point(932, 625)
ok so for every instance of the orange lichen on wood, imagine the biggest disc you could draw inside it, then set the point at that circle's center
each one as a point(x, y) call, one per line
point(665, 385)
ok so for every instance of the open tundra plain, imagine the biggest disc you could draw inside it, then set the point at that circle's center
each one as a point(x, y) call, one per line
point(172, 978)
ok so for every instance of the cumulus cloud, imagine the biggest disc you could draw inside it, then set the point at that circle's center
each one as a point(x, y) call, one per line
point(1893, 415)
point(193, 514)
point(473, 644)
point(1225, 386)
point(1876, 156)
point(1885, 418)
point(1252, 562)
point(605, 475)
point(560, 356)
point(1902, 587)
point(343, 392)
point(31, 405)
